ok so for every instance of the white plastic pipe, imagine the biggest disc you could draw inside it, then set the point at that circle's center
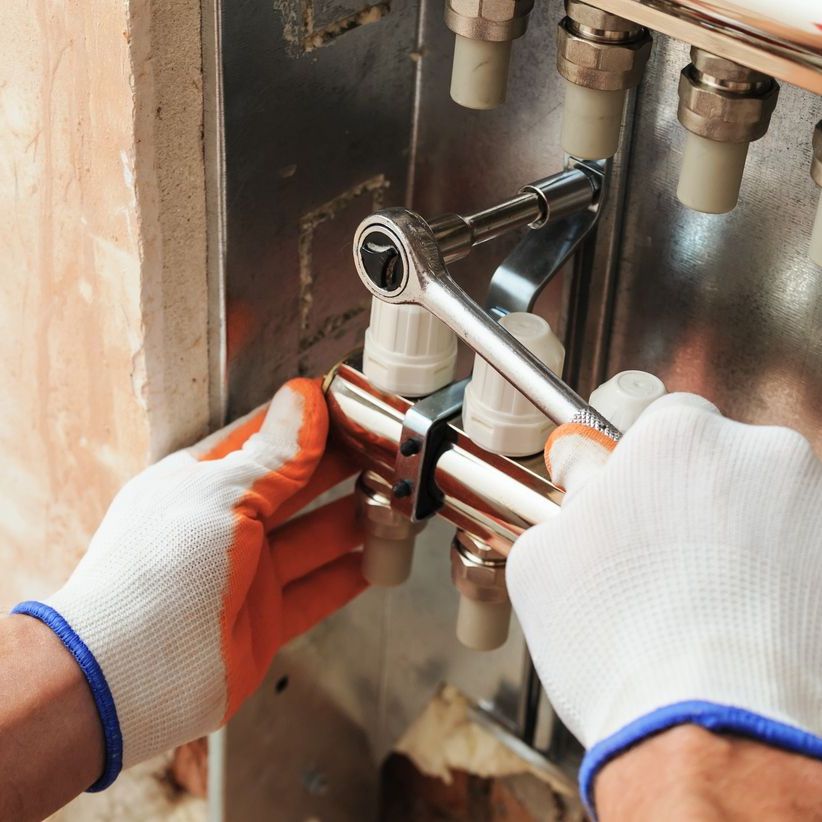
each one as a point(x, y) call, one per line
point(591, 121)
point(387, 562)
point(816, 236)
point(711, 174)
point(479, 77)
point(482, 626)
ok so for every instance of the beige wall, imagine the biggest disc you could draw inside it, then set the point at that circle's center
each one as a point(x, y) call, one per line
point(103, 289)
point(103, 355)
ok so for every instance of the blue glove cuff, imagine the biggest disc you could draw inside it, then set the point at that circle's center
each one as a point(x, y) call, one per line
point(96, 681)
point(708, 715)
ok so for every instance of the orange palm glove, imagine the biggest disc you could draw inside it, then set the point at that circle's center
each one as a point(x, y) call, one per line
point(195, 579)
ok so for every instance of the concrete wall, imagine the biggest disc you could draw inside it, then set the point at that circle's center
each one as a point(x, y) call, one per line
point(103, 288)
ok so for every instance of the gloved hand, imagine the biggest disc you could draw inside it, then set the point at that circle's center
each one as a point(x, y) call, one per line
point(679, 584)
point(193, 582)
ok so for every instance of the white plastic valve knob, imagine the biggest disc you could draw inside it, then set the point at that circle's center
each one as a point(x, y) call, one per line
point(625, 396)
point(497, 416)
point(408, 351)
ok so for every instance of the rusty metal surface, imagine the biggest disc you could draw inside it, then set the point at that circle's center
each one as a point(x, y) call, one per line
point(318, 110)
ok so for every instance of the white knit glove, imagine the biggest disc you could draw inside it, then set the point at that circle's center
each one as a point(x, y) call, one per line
point(681, 583)
point(193, 582)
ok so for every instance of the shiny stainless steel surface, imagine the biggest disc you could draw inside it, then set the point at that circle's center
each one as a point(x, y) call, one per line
point(520, 278)
point(781, 46)
point(425, 433)
point(580, 187)
point(540, 255)
point(457, 235)
point(319, 136)
point(727, 306)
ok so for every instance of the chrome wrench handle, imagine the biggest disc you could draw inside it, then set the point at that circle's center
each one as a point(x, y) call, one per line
point(399, 261)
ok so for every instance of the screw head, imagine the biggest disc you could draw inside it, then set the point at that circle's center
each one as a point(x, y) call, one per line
point(410, 447)
point(402, 489)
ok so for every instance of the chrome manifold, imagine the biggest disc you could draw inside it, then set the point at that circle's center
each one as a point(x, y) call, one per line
point(491, 497)
point(416, 463)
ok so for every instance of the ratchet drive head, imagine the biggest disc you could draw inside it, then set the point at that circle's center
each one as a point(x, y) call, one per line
point(393, 251)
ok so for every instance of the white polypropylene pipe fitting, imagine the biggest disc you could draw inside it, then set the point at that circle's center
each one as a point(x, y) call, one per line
point(482, 626)
point(711, 174)
point(387, 562)
point(816, 236)
point(591, 120)
point(479, 77)
point(494, 414)
point(408, 351)
point(625, 396)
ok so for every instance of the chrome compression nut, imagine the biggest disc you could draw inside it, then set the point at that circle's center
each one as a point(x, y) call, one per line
point(388, 536)
point(599, 50)
point(816, 162)
point(492, 20)
point(723, 101)
point(477, 571)
point(375, 511)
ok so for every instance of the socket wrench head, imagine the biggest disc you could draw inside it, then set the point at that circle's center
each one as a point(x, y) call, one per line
point(398, 259)
point(391, 249)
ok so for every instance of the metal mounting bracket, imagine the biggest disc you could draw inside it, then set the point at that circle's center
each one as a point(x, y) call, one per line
point(425, 435)
point(537, 258)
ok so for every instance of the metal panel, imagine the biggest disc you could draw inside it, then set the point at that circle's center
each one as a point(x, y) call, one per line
point(467, 160)
point(727, 306)
point(325, 115)
point(317, 134)
point(314, 140)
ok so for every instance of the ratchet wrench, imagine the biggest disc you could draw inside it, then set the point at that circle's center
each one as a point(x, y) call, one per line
point(399, 260)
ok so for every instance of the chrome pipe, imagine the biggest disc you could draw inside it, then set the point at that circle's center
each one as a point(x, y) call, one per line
point(493, 498)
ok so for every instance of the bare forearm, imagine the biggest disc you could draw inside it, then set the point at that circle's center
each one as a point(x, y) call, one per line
point(689, 773)
point(51, 745)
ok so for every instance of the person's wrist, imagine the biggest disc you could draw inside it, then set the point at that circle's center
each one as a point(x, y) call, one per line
point(68, 634)
point(50, 721)
point(688, 773)
point(61, 682)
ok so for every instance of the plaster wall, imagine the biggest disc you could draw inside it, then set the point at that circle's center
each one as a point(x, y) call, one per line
point(103, 293)
point(103, 287)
